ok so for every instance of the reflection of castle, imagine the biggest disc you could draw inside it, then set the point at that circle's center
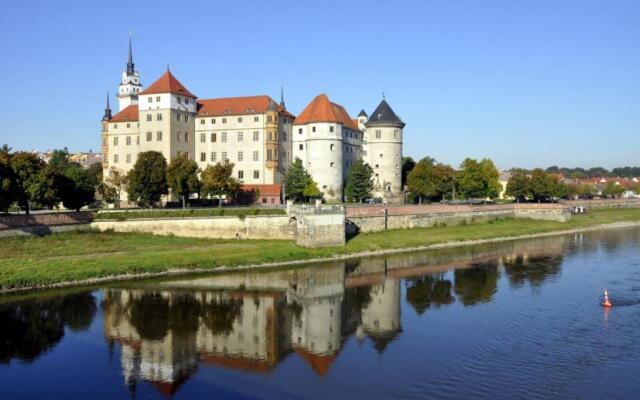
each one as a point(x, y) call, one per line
point(251, 321)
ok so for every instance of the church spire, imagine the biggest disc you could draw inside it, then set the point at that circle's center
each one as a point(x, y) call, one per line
point(130, 59)
point(107, 110)
point(282, 96)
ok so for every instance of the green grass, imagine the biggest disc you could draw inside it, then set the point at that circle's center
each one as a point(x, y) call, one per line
point(28, 261)
point(205, 212)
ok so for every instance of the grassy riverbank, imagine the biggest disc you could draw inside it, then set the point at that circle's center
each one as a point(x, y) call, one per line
point(28, 262)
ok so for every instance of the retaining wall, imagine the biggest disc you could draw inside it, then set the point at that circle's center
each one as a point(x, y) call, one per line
point(249, 227)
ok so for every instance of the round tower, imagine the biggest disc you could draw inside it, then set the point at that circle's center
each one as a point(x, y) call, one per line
point(384, 152)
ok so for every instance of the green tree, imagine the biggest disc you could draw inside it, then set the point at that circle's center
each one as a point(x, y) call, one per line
point(107, 193)
point(217, 181)
point(296, 180)
point(519, 185)
point(27, 168)
point(359, 183)
point(78, 188)
point(478, 180)
point(428, 180)
point(407, 166)
point(7, 179)
point(96, 170)
point(148, 179)
point(613, 190)
point(311, 191)
point(541, 185)
point(182, 177)
point(110, 191)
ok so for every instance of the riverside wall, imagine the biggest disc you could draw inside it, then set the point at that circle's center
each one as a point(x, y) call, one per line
point(379, 218)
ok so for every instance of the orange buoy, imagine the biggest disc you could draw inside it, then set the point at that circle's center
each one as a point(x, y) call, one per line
point(606, 302)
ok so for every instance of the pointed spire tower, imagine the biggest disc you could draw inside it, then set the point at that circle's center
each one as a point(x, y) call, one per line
point(130, 85)
point(107, 110)
point(282, 96)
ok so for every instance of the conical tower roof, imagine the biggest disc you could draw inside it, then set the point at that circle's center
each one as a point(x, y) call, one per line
point(384, 116)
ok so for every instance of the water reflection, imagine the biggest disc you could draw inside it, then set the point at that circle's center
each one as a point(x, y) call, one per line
point(33, 328)
point(167, 331)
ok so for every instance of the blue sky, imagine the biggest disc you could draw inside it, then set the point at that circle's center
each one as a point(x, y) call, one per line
point(526, 83)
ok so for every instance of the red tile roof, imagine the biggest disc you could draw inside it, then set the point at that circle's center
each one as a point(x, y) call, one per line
point(319, 363)
point(322, 110)
point(168, 83)
point(239, 106)
point(130, 113)
point(266, 190)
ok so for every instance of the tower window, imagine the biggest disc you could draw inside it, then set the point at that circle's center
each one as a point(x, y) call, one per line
point(333, 164)
point(378, 133)
point(179, 100)
point(269, 118)
point(331, 129)
point(300, 131)
point(331, 147)
point(396, 134)
point(313, 129)
point(301, 147)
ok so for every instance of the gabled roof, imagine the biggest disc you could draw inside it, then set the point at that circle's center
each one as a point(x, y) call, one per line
point(168, 83)
point(322, 110)
point(384, 116)
point(129, 114)
point(240, 106)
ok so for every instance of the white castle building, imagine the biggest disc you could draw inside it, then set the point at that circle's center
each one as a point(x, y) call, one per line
point(257, 134)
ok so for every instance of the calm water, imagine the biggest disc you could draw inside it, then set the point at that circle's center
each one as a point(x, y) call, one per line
point(511, 320)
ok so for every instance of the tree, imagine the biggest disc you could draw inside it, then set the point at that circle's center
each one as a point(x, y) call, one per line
point(541, 185)
point(311, 191)
point(27, 168)
point(96, 170)
point(612, 189)
point(519, 185)
point(110, 191)
point(359, 183)
point(478, 180)
point(217, 181)
point(78, 187)
point(148, 179)
point(107, 193)
point(182, 177)
point(636, 188)
point(296, 180)
point(431, 181)
point(407, 166)
point(7, 179)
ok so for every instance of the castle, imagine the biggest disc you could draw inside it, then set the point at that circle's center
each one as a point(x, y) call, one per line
point(256, 133)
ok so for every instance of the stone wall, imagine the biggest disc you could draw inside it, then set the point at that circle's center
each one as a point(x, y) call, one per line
point(320, 230)
point(373, 219)
point(249, 227)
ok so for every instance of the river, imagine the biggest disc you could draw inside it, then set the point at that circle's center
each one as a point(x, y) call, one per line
point(511, 320)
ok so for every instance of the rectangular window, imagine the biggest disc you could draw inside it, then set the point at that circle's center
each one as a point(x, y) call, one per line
point(256, 156)
point(269, 136)
point(159, 117)
point(177, 117)
point(223, 157)
point(186, 137)
point(137, 139)
point(179, 137)
point(115, 158)
point(300, 131)
point(256, 136)
point(115, 126)
point(396, 134)
point(224, 120)
point(239, 119)
point(240, 136)
point(203, 137)
point(240, 174)
point(203, 157)
point(128, 158)
point(186, 118)
point(157, 99)
point(240, 156)
point(115, 140)
point(159, 136)
point(256, 119)
point(301, 147)
point(213, 156)
point(269, 155)
point(150, 99)
point(202, 121)
point(223, 137)
point(213, 120)
point(331, 129)
point(313, 129)
point(378, 133)
point(179, 100)
point(213, 138)
point(149, 136)
point(269, 118)
point(149, 117)
point(128, 140)
point(256, 174)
